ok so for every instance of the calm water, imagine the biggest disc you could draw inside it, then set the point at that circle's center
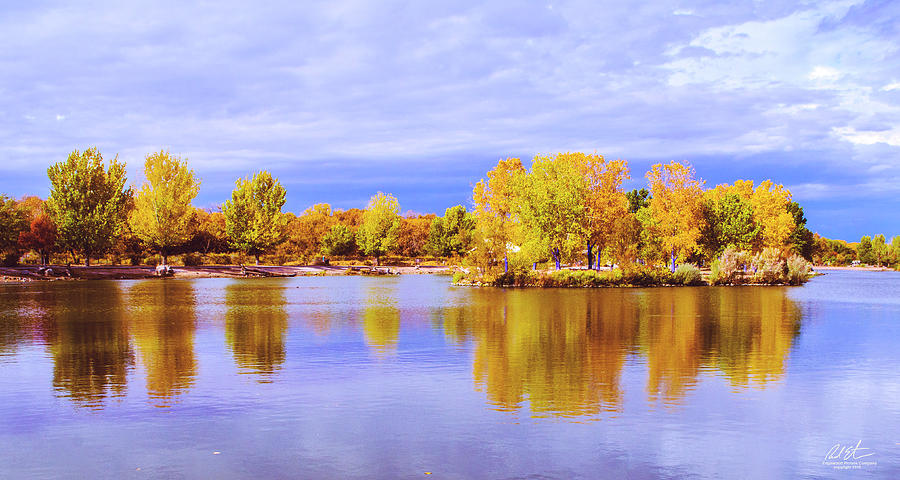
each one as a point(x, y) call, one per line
point(350, 377)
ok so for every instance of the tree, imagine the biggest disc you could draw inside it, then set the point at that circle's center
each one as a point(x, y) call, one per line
point(770, 204)
point(253, 220)
point(728, 222)
point(210, 233)
point(163, 217)
point(551, 204)
point(801, 239)
point(452, 233)
point(413, 238)
point(380, 228)
point(40, 237)
point(88, 202)
point(675, 208)
point(12, 221)
point(638, 199)
point(864, 251)
point(339, 241)
point(606, 217)
point(305, 232)
point(496, 220)
point(879, 249)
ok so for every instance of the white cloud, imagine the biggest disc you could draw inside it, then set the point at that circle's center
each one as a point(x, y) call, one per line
point(889, 137)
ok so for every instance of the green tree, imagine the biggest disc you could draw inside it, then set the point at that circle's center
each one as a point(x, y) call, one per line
point(12, 222)
point(801, 239)
point(452, 233)
point(728, 223)
point(637, 199)
point(552, 205)
point(163, 217)
point(380, 228)
point(88, 202)
point(879, 249)
point(864, 251)
point(339, 241)
point(253, 219)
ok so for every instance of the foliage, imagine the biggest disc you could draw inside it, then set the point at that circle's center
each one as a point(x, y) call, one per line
point(497, 224)
point(801, 239)
point(452, 233)
point(864, 252)
point(253, 220)
point(339, 241)
point(606, 218)
point(728, 222)
point(163, 217)
point(191, 260)
point(12, 221)
point(730, 268)
point(40, 237)
point(88, 202)
point(638, 199)
point(305, 233)
point(799, 270)
point(769, 267)
point(551, 205)
point(675, 208)
point(209, 233)
point(380, 228)
point(413, 238)
point(687, 274)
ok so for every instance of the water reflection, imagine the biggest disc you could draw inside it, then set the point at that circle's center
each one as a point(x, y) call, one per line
point(562, 352)
point(381, 318)
point(89, 341)
point(163, 321)
point(256, 324)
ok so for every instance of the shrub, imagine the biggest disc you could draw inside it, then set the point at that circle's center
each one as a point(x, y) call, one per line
point(798, 270)
point(220, 259)
point(731, 267)
point(687, 274)
point(769, 267)
point(153, 260)
point(191, 260)
point(457, 277)
point(10, 260)
point(645, 276)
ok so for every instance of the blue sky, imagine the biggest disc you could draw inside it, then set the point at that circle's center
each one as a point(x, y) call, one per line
point(341, 99)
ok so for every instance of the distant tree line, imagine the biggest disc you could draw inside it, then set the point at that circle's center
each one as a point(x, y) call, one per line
point(92, 212)
point(567, 208)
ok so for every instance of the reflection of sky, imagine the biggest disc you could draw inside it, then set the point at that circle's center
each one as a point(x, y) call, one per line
point(341, 99)
point(336, 410)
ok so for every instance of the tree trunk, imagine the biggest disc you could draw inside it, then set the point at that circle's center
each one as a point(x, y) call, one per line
point(257, 259)
point(556, 257)
point(377, 261)
point(165, 259)
point(590, 255)
point(673, 259)
point(598, 260)
point(506, 264)
point(87, 259)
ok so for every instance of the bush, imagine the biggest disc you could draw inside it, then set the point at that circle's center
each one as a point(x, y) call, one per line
point(687, 274)
point(798, 270)
point(730, 268)
point(769, 268)
point(220, 259)
point(153, 260)
point(191, 260)
point(458, 277)
point(10, 260)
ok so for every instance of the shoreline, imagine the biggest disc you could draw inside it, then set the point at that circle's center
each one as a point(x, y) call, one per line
point(31, 273)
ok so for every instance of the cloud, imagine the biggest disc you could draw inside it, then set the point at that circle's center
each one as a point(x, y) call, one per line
point(376, 91)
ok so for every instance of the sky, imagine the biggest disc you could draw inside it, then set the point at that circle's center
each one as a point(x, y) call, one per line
point(341, 99)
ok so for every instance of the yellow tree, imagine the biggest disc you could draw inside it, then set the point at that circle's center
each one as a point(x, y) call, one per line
point(770, 210)
point(551, 205)
point(606, 217)
point(163, 216)
point(494, 201)
point(380, 228)
point(676, 207)
point(305, 232)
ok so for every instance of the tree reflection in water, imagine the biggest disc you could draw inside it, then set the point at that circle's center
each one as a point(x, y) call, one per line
point(562, 352)
point(91, 351)
point(256, 325)
point(162, 318)
point(381, 317)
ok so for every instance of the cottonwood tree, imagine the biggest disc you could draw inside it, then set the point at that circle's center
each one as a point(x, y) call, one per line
point(496, 222)
point(163, 217)
point(40, 236)
point(339, 241)
point(675, 208)
point(606, 216)
point(551, 204)
point(452, 233)
point(253, 219)
point(380, 228)
point(89, 202)
point(12, 221)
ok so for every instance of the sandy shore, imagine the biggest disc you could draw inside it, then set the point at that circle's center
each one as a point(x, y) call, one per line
point(104, 272)
point(861, 269)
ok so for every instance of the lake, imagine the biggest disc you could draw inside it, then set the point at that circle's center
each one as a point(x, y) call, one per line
point(409, 377)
